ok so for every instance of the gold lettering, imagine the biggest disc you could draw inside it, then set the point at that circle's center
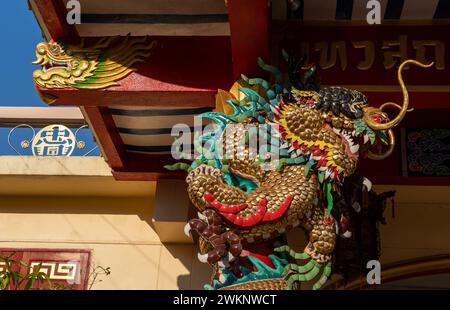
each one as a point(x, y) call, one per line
point(390, 56)
point(369, 54)
point(439, 52)
point(328, 58)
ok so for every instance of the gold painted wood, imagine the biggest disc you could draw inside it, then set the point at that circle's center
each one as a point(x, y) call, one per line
point(95, 67)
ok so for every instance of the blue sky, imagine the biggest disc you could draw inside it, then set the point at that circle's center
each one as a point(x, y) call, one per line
point(21, 33)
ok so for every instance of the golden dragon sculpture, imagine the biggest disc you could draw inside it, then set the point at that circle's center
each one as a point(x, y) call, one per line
point(317, 137)
point(96, 66)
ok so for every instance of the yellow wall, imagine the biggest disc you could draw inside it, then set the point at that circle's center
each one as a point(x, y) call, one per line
point(421, 223)
point(118, 229)
point(419, 228)
point(79, 208)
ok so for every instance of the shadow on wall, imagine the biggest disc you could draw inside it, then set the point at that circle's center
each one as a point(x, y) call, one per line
point(187, 273)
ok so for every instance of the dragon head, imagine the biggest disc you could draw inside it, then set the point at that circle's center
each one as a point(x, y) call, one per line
point(61, 66)
point(51, 53)
point(96, 66)
point(326, 130)
point(335, 125)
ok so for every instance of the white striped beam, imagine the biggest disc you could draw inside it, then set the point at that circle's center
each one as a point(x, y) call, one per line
point(155, 18)
point(319, 10)
point(147, 130)
point(391, 10)
point(158, 7)
point(112, 29)
point(419, 10)
point(37, 116)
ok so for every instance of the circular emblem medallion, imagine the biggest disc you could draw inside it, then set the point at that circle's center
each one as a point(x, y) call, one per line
point(54, 140)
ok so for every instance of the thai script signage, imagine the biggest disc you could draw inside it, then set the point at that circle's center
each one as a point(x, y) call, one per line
point(362, 55)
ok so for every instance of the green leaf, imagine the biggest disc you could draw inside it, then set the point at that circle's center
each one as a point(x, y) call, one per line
point(15, 277)
point(4, 283)
point(29, 283)
point(23, 264)
point(42, 276)
point(8, 265)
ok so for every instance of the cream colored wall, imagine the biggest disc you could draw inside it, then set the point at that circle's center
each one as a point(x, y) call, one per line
point(421, 225)
point(57, 203)
point(90, 210)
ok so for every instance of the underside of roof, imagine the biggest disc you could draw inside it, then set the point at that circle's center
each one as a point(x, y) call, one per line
point(153, 131)
point(204, 45)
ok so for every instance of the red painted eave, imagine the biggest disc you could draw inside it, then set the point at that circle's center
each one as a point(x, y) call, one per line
point(182, 71)
point(51, 15)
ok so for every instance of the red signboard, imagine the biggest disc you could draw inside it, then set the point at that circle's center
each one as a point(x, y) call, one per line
point(67, 267)
point(367, 54)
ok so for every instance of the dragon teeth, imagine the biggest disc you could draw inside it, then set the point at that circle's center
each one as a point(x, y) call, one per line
point(367, 183)
point(222, 278)
point(274, 110)
point(285, 145)
point(366, 138)
point(202, 257)
point(223, 264)
point(202, 216)
point(354, 148)
point(231, 257)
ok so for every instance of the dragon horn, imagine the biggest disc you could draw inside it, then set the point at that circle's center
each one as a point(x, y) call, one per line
point(370, 111)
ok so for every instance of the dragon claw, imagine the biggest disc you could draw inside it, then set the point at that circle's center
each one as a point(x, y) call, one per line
point(304, 273)
point(202, 258)
point(187, 230)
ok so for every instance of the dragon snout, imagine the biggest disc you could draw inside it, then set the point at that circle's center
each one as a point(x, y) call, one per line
point(40, 60)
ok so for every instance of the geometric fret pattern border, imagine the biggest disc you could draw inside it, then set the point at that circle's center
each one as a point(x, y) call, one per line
point(69, 267)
